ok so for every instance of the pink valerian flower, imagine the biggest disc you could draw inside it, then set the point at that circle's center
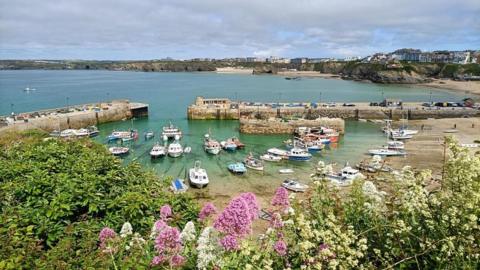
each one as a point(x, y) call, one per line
point(158, 260)
point(235, 219)
point(276, 221)
point(252, 203)
point(105, 234)
point(177, 260)
point(280, 247)
point(207, 210)
point(323, 247)
point(168, 240)
point(281, 198)
point(165, 212)
point(229, 243)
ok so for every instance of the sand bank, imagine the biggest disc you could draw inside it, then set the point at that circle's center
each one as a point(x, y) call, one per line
point(234, 70)
point(470, 87)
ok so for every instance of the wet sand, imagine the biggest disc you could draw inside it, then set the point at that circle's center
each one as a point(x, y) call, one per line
point(426, 150)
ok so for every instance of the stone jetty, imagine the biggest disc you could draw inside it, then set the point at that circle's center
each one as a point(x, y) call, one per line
point(225, 109)
point(75, 116)
point(279, 126)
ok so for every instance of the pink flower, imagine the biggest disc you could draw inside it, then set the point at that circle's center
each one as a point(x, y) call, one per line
point(165, 212)
point(168, 240)
point(157, 260)
point(276, 221)
point(252, 203)
point(280, 247)
point(229, 243)
point(177, 260)
point(105, 234)
point(160, 225)
point(236, 218)
point(281, 198)
point(207, 210)
point(323, 247)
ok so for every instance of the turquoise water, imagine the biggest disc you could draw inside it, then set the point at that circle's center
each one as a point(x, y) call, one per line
point(169, 94)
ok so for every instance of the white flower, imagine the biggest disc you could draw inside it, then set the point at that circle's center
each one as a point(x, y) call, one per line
point(126, 229)
point(188, 233)
point(208, 249)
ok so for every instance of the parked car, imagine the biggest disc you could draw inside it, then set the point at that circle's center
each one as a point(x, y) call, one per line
point(348, 105)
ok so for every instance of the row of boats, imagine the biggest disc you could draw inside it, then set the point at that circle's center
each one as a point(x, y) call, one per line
point(396, 141)
point(90, 131)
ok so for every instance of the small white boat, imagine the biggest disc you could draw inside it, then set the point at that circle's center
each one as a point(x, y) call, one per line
point(278, 152)
point(119, 151)
point(171, 132)
point(210, 145)
point(93, 131)
point(450, 131)
point(83, 132)
point(295, 154)
point(285, 171)
point(387, 152)
point(271, 158)
point(28, 89)
point(198, 176)
point(400, 136)
point(187, 150)
point(68, 133)
point(175, 149)
point(470, 145)
point(395, 145)
point(149, 134)
point(253, 163)
point(157, 151)
point(345, 176)
point(294, 185)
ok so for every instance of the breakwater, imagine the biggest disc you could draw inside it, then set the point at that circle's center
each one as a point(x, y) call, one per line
point(278, 126)
point(75, 116)
point(225, 109)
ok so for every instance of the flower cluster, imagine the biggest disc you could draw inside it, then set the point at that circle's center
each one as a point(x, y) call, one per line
point(229, 243)
point(165, 212)
point(188, 232)
point(280, 247)
point(207, 210)
point(281, 198)
point(236, 219)
point(104, 236)
point(209, 252)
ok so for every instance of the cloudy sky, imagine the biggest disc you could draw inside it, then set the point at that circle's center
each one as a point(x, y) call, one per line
point(153, 29)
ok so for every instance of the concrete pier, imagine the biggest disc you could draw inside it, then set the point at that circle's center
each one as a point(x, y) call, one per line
point(218, 109)
point(75, 116)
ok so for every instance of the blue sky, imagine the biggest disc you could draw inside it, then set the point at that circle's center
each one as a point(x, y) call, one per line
point(182, 29)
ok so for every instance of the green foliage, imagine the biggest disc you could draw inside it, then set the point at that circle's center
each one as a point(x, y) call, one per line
point(57, 195)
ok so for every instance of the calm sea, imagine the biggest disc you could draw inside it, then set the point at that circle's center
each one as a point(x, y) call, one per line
point(169, 94)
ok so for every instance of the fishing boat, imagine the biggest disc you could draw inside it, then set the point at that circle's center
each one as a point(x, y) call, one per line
point(133, 136)
point(345, 176)
point(178, 186)
point(239, 144)
point(171, 131)
point(149, 134)
point(294, 185)
point(285, 171)
point(252, 163)
point(175, 149)
point(400, 136)
point(237, 168)
point(270, 157)
point(210, 145)
point(278, 153)
point(118, 151)
point(118, 135)
point(157, 151)
point(229, 145)
point(395, 145)
point(387, 152)
point(198, 176)
point(93, 131)
point(295, 154)
point(83, 132)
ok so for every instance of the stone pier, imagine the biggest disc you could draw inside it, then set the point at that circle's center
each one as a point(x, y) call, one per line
point(278, 126)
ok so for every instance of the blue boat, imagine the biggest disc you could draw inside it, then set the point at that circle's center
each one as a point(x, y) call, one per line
point(298, 154)
point(237, 168)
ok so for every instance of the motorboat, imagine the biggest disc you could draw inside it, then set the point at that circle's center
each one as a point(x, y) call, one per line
point(67, 133)
point(237, 168)
point(278, 153)
point(298, 154)
point(374, 165)
point(400, 136)
point(118, 151)
point(83, 132)
point(157, 151)
point(178, 186)
point(285, 171)
point(198, 176)
point(229, 145)
point(237, 142)
point(270, 157)
point(149, 134)
point(253, 163)
point(171, 131)
point(93, 131)
point(345, 176)
point(175, 149)
point(118, 135)
point(133, 136)
point(210, 145)
point(395, 145)
point(387, 152)
point(311, 146)
point(294, 185)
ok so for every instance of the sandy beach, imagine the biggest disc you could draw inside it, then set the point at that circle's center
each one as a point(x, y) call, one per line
point(471, 87)
point(307, 74)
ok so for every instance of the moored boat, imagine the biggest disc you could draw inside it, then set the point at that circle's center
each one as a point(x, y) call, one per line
point(387, 152)
point(395, 145)
point(157, 151)
point(198, 176)
point(270, 157)
point(294, 185)
point(229, 145)
point(170, 132)
point(149, 134)
point(285, 171)
point(237, 142)
point(175, 149)
point(83, 132)
point(237, 168)
point(252, 163)
point(345, 176)
point(178, 186)
point(93, 131)
point(118, 151)
point(210, 145)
